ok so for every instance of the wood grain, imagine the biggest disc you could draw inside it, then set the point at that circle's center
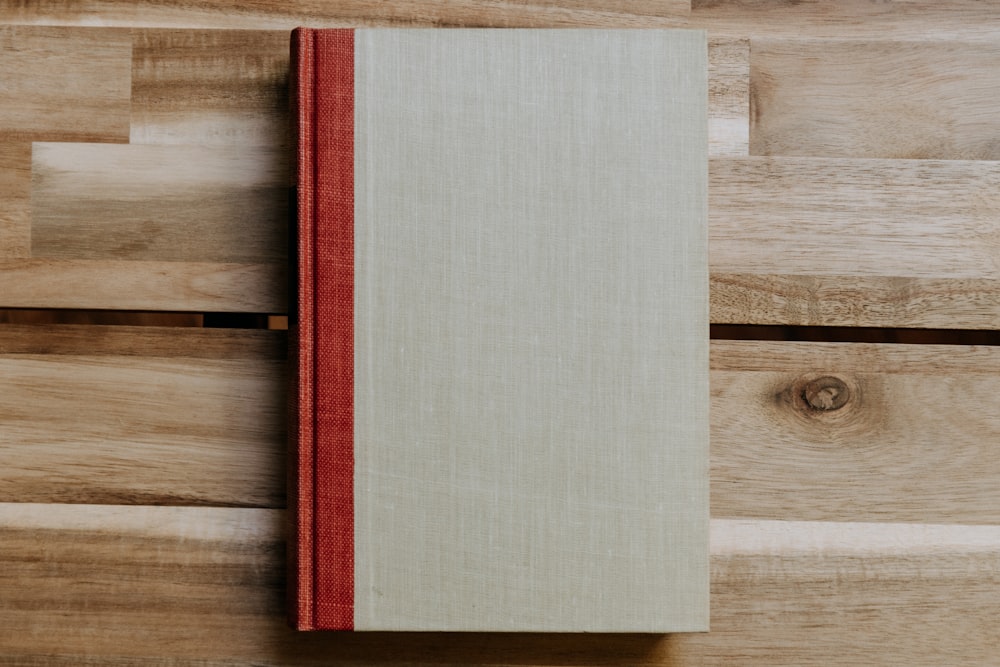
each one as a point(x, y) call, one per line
point(854, 301)
point(210, 87)
point(854, 242)
point(167, 203)
point(64, 84)
point(878, 99)
point(843, 217)
point(118, 415)
point(90, 584)
point(871, 19)
point(143, 285)
point(855, 432)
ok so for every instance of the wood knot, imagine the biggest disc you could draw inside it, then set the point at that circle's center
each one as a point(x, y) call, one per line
point(826, 393)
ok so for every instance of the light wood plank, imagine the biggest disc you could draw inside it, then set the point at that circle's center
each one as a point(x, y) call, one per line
point(193, 416)
point(855, 301)
point(142, 415)
point(844, 217)
point(210, 87)
point(64, 84)
point(907, 19)
point(15, 199)
point(145, 285)
point(853, 431)
point(176, 203)
point(92, 584)
point(888, 99)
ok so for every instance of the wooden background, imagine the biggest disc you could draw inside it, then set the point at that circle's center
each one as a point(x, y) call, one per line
point(854, 197)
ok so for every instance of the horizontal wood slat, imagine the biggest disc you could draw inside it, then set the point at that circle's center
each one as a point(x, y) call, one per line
point(838, 217)
point(858, 301)
point(145, 285)
point(89, 584)
point(885, 99)
point(912, 19)
point(143, 415)
point(64, 84)
point(854, 432)
point(197, 417)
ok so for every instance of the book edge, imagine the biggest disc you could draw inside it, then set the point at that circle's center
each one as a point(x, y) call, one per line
point(300, 483)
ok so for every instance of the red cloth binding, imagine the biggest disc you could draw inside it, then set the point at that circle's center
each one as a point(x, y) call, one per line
point(324, 504)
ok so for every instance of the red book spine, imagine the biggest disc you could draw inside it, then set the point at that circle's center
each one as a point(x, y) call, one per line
point(323, 420)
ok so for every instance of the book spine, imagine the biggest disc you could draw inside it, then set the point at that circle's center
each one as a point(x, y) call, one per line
point(301, 337)
point(333, 329)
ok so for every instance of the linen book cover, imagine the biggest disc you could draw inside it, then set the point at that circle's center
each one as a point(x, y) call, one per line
point(500, 332)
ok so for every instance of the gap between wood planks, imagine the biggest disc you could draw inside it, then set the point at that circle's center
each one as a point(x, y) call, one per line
point(718, 331)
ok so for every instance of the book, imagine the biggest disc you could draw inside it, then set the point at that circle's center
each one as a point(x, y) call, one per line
point(500, 331)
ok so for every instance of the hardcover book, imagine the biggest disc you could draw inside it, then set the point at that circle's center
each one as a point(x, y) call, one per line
point(500, 331)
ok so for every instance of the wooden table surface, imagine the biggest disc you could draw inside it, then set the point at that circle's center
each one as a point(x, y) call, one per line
point(855, 183)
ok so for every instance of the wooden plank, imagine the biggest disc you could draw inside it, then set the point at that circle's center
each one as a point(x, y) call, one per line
point(15, 199)
point(911, 19)
point(160, 203)
point(843, 217)
point(877, 98)
point(196, 416)
point(862, 432)
point(143, 341)
point(142, 415)
point(276, 15)
point(64, 84)
point(858, 301)
point(728, 96)
point(145, 285)
point(89, 584)
point(210, 87)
